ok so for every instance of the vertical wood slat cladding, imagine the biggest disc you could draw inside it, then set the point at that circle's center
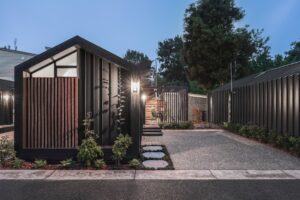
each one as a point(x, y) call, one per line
point(272, 104)
point(50, 112)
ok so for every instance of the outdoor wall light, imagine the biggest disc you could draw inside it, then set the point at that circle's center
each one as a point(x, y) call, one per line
point(135, 86)
point(144, 97)
point(6, 97)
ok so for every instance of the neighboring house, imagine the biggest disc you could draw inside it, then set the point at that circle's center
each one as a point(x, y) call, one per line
point(269, 99)
point(197, 108)
point(6, 102)
point(54, 91)
point(9, 59)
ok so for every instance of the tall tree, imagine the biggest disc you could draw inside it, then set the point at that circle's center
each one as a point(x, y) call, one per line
point(293, 55)
point(136, 57)
point(211, 43)
point(171, 61)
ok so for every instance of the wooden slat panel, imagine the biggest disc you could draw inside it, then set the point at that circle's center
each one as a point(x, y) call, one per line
point(50, 110)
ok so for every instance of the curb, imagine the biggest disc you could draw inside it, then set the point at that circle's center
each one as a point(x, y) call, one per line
point(62, 175)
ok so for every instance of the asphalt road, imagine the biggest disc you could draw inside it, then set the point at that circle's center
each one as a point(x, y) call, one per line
point(151, 189)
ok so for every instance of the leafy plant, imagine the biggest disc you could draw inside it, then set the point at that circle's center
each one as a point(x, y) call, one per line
point(67, 163)
point(99, 163)
point(134, 163)
point(18, 163)
point(120, 147)
point(7, 150)
point(40, 163)
point(89, 151)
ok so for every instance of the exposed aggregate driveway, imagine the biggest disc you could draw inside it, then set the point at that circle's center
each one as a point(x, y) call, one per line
point(217, 149)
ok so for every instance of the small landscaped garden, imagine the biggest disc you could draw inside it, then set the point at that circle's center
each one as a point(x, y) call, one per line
point(284, 142)
point(176, 125)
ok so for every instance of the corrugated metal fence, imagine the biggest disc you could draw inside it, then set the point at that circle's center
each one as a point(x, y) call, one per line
point(272, 104)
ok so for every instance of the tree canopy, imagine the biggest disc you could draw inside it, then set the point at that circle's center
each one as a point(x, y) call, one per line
point(136, 57)
point(212, 43)
point(171, 61)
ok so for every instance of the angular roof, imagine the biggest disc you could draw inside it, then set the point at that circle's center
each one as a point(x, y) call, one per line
point(9, 59)
point(271, 74)
point(82, 43)
point(6, 85)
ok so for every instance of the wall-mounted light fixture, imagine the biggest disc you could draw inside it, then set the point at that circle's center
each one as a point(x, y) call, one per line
point(6, 97)
point(144, 97)
point(135, 87)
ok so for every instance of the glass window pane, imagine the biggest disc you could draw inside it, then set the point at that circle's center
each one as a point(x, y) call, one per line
point(66, 72)
point(45, 72)
point(70, 60)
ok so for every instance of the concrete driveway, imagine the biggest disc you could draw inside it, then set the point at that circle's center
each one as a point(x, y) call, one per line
point(216, 149)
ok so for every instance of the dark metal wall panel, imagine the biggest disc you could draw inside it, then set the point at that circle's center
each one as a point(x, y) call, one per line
point(114, 102)
point(274, 105)
point(105, 103)
point(284, 105)
point(6, 107)
point(290, 105)
point(296, 105)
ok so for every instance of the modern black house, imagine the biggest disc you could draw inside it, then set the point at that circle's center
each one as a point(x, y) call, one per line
point(269, 99)
point(54, 91)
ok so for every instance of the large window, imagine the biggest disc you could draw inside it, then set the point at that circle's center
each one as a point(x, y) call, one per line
point(63, 64)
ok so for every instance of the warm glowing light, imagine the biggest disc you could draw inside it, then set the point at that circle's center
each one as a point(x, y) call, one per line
point(135, 86)
point(144, 97)
point(6, 97)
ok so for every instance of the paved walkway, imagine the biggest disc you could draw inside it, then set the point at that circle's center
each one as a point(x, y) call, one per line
point(214, 149)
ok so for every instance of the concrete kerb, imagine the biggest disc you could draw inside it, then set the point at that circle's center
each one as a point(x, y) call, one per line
point(149, 174)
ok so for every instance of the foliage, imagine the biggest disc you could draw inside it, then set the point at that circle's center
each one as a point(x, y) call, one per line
point(89, 151)
point(171, 61)
point(289, 143)
point(134, 163)
point(67, 163)
point(120, 147)
point(99, 163)
point(18, 163)
point(177, 125)
point(211, 42)
point(39, 163)
point(293, 55)
point(136, 57)
point(87, 123)
point(7, 150)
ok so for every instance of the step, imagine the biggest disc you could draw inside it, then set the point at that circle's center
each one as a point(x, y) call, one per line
point(152, 130)
point(152, 133)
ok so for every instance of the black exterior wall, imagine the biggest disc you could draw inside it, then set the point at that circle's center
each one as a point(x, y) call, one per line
point(269, 100)
point(104, 84)
point(6, 102)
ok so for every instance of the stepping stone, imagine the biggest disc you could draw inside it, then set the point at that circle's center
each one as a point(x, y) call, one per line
point(155, 164)
point(153, 148)
point(154, 155)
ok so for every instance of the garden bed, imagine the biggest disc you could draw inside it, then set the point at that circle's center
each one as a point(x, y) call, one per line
point(290, 144)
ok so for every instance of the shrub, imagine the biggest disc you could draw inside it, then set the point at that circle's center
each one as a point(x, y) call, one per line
point(7, 150)
point(175, 125)
point(99, 163)
point(40, 163)
point(67, 163)
point(134, 163)
point(89, 151)
point(18, 163)
point(120, 147)
point(272, 137)
point(244, 131)
point(292, 143)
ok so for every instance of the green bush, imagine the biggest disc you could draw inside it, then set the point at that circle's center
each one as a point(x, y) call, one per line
point(120, 147)
point(99, 163)
point(134, 163)
point(176, 125)
point(18, 163)
point(244, 131)
point(40, 163)
point(67, 163)
point(7, 150)
point(89, 151)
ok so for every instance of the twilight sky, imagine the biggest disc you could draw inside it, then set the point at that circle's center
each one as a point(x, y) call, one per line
point(118, 25)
